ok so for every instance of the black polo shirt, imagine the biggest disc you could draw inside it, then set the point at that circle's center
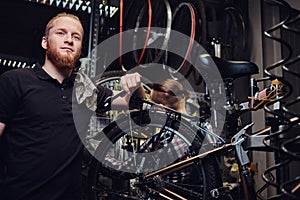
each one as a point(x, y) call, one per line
point(42, 150)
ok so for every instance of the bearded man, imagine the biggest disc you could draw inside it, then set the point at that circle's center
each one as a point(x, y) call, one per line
point(41, 146)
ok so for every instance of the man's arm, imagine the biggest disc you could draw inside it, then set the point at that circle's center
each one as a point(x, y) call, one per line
point(129, 83)
point(2, 126)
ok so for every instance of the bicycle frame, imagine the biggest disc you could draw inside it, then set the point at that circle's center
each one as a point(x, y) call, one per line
point(237, 140)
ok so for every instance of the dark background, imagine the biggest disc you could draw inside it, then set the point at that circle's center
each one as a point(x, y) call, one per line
point(22, 26)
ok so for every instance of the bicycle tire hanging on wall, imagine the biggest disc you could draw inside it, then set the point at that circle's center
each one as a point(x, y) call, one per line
point(141, 16)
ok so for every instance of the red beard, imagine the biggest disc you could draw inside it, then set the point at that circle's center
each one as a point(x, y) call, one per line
point(62, 61)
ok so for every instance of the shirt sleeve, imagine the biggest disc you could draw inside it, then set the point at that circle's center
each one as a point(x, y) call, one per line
point(9, 96)
point(103, 99)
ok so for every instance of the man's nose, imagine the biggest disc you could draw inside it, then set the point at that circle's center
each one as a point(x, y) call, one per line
point(69, 38)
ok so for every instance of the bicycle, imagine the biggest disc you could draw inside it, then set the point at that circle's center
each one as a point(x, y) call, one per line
point(140, 131)
point(119, 161)
point(190, 130)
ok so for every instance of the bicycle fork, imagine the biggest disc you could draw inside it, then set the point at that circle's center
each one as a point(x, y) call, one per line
point(243, 159)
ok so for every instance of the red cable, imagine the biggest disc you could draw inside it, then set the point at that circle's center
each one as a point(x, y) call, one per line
point(121, 33)
point(192, 37)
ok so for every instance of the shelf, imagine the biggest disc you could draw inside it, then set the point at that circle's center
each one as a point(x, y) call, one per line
point(78, 5)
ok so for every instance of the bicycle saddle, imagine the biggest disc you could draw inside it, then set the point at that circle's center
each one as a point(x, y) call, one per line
point(235, 69)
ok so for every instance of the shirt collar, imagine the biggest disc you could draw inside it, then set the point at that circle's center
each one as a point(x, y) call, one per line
point(42, 74)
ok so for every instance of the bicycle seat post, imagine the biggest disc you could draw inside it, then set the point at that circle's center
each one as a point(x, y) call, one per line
point(217, 47)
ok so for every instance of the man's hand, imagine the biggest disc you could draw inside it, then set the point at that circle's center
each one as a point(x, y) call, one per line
point(130, 82)
point(2, 126)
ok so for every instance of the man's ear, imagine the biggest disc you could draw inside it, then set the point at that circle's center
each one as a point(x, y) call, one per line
point(44, 42)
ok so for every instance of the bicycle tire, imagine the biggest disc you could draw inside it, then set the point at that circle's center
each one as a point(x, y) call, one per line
point(235, 40)
point(154, 51)
point(206, 170)
point(192, 11)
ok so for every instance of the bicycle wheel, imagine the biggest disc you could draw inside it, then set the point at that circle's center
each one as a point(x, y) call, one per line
point(235, 33)
point(121, 172)
point(186, 24)
point(156, 40)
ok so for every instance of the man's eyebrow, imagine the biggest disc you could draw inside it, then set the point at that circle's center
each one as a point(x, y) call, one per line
point(66, 30)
